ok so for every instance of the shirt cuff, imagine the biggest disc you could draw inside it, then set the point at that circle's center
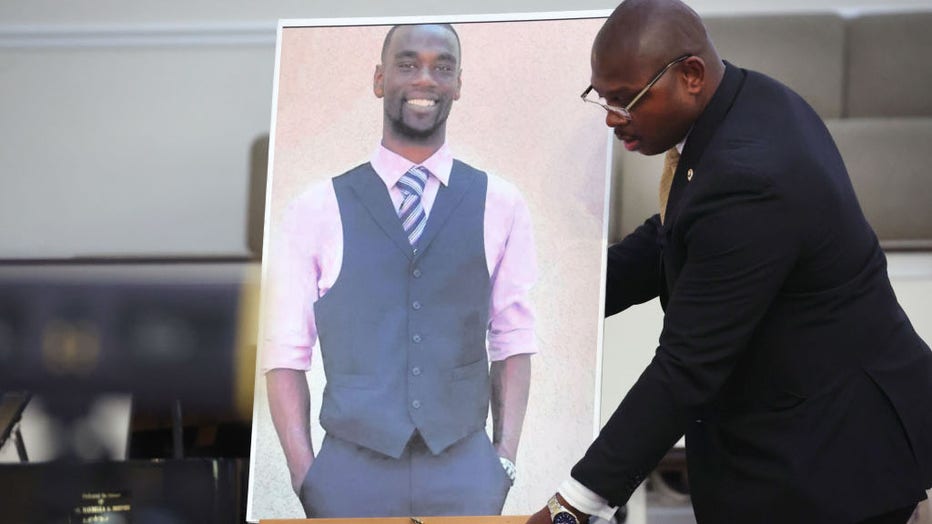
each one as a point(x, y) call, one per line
point(276, 355)
point(585, 500)
point(515, 342)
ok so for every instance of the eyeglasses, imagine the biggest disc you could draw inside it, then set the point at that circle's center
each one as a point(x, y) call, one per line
point(625, 112)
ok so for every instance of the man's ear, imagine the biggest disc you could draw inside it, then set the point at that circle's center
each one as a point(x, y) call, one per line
point(459, 84)
point(377, 80)
point(694, 73)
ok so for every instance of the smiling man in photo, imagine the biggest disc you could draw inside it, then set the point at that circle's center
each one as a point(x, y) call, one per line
point(412, 271)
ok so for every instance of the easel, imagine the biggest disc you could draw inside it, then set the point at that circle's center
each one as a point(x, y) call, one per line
point(12, 406)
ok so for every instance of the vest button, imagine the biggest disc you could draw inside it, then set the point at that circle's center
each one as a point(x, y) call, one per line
point(416, 371)
point(417, 273)
point(416, 339)
point(416, 305)
point(416, 404)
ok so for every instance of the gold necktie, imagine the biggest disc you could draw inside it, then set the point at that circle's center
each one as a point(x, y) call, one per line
point(666, 178)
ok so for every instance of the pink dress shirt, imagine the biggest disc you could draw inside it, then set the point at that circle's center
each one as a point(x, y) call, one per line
point(306, 253)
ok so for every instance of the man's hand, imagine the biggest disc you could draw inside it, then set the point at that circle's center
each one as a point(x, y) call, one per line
point(290, 406)
point(541, 517)
point(297, 477)
point(503, 451)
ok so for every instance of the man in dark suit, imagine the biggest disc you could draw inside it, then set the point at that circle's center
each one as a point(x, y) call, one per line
point(785, 358)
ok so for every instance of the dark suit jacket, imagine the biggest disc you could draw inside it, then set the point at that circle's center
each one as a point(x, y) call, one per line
point(785, 358)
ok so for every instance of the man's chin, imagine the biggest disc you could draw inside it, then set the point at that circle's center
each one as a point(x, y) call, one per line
point(648, 150)
point(637, 146)
point(415, 134)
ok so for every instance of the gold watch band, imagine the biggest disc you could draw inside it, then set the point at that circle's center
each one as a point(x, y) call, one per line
point(556, 505)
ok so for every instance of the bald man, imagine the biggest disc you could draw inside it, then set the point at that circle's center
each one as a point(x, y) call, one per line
point(800, 385)
point(413, 271)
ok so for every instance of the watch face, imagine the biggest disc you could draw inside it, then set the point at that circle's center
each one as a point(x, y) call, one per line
point(565, 517)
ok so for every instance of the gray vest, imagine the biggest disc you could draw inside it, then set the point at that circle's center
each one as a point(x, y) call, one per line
point(403, 335)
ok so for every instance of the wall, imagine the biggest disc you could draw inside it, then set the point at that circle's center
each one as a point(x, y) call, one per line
point(130, 129)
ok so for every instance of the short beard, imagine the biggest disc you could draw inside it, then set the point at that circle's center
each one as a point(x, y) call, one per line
point(416, 135)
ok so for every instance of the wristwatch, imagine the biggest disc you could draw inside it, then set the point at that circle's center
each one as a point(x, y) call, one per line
point(510, 469)
point(560, 514)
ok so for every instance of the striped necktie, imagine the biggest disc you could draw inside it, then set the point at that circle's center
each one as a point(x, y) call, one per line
point(670, 161)
point(412, 215)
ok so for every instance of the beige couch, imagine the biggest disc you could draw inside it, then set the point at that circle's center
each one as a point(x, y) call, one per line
point(868, 74)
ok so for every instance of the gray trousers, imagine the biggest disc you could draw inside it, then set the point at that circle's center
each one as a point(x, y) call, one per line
point(347, 480)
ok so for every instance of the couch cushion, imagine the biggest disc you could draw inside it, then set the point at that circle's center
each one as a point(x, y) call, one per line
point(805, 52)
point(890, 64)
point(888, 160)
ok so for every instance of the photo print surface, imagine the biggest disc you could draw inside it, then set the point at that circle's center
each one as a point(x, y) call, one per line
point(432, 273)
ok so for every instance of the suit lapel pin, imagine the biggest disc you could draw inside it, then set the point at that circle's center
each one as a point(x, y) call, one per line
point(689, 175)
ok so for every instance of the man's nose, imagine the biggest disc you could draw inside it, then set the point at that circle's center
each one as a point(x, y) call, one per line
point(425, 76)
point(613, 119)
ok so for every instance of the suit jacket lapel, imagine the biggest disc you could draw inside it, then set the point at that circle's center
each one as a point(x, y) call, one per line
point(699, 137)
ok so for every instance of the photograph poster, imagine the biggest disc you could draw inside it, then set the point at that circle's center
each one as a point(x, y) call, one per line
point(432, 276)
